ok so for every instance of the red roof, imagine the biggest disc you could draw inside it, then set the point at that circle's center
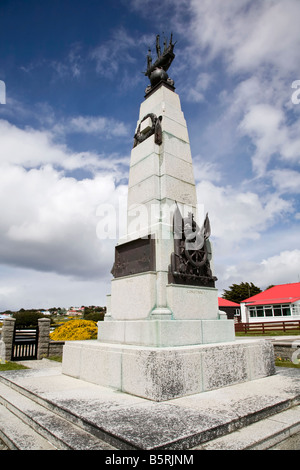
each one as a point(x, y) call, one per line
point(226, 303)
point(282, 294)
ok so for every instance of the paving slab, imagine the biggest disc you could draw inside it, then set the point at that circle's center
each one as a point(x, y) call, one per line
point(272, 430)
point(182, 423)
point(40, 364)
point(3, 446)
point(292, 443)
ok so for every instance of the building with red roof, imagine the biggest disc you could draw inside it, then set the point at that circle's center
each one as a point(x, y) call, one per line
point(232, 309)
point(280, 302)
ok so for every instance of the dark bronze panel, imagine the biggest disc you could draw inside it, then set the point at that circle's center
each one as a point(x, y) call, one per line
point(136, 256)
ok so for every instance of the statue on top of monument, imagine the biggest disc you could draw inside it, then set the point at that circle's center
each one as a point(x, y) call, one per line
point(157, 71)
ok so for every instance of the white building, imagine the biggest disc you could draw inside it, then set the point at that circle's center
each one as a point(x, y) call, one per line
point(75, 311)
point(279, 303)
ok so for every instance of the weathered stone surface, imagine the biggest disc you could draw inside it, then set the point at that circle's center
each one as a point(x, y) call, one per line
point(191, 302)
point(164, 333)
point(164, 373)
point(133, 297)
point(43, 338)
point(191, 422)
point(7, 336)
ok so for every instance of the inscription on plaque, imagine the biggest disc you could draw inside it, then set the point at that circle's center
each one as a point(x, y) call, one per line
point(136, 256)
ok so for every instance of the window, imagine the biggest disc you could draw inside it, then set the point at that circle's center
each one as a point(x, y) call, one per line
point(252, 311)
point(286, 310)
point(260, 311)
point(268, 311)
point(295, 309)
point(276, 310)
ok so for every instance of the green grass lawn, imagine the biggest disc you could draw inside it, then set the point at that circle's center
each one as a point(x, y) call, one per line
point(286, 363)
point(11, 366)
point(55, 358)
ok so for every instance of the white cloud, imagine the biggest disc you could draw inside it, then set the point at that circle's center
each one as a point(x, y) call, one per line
point(255, 44)
point(27, 288)
point(195, 93)
point(286, 181)
point(249, 33)
point(28, 147)
point(271, 135)
point(115, 51)
point(97, 125)
point(278, 269)
point(49, 220)
point(237, 215)
point(272, 36)
point(263, 123)
point(256, 109)
point(204, 170)
point(255, 238)
point(70, 66)
point(286, 265)
point(32, 148)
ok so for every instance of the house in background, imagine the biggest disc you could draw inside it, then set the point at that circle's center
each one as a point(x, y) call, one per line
point(279, 303)
point(75, 311)
point(231, 309)
point(3, 316)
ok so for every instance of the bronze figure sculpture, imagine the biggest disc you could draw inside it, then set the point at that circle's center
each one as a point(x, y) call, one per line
point(157, 72)
point(190, 261)
point(155, 129)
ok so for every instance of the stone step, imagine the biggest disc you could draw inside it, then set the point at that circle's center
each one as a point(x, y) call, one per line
point(17, 435)
point(26, 424)
point(262, 435)
point(239, 413)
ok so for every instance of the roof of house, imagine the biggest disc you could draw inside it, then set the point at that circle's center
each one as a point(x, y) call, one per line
point(282, 294)
point(226, 303)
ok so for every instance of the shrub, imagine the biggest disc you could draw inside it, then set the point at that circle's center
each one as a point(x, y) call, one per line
point(26, 318)
point(95, 316)
point(75, 330)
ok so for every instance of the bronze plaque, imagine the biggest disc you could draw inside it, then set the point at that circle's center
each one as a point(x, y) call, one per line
point(136, 256)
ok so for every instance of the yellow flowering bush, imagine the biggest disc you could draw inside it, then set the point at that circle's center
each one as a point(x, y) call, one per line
point(74, 330)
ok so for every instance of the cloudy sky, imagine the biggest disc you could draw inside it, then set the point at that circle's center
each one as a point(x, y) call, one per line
point(72, 70)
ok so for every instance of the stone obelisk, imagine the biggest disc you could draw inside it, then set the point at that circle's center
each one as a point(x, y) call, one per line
point(162, 331)
point(162, 265)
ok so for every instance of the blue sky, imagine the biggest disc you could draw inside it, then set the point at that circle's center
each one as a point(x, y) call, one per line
point(74, 84)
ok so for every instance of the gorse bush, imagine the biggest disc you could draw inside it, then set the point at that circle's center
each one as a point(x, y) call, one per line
point(75, 330)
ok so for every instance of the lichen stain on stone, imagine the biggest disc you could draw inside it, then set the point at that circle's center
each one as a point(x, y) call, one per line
point(169, 383)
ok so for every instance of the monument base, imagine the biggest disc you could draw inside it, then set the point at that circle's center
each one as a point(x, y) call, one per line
point(134, 298)
point(166, 333)
point(161, 374)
